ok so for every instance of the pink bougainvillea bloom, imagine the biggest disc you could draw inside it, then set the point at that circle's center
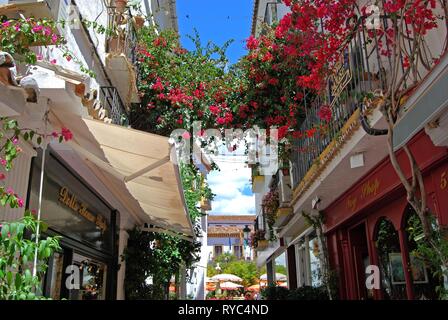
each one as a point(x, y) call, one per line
point(47, 31)
point(39, 57)
point(3, 162)
point(6, 24)
point(54, 134)
point(2, 176)
point(53, 61)
point(69, 58)
point(37, 28)
point(15, 140)
point(273, 81)
point(10, 191)
point(17, 27)
point(54, 38)
point(180, 121)
point(252, 43)
point(67, 134)
point(221, 120)
point(33, 212)
point(20, 202)
point(214, 109)
point(325, 113)
point(158, 85)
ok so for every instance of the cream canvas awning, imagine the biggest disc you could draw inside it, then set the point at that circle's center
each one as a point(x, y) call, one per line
point(135, 166)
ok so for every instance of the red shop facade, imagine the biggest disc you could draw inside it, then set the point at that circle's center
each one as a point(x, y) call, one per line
point(369, 225)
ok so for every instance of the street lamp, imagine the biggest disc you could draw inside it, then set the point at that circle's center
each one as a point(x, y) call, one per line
point(246, 232)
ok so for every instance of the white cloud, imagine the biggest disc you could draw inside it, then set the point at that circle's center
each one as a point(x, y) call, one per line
point(228, 185)
point(238, 205)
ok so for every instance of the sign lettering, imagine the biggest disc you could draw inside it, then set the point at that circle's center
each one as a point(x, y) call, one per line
point(70, 200)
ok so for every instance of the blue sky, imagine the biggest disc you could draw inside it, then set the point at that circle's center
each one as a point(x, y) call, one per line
point(218, 21)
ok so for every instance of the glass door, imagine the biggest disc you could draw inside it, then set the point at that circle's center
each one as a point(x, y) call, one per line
point(92, 279)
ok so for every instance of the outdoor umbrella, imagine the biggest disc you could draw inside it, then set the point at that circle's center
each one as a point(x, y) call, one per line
point(230, 286)
point(278, 277)
point(226, 277)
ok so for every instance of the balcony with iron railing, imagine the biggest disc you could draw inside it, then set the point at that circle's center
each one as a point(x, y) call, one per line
point(362, 69)
point(124, 36)
point(121, 53)
point(114, 109)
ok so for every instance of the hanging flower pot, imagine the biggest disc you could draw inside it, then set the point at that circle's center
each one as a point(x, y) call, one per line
point(120, 5)
point(139, 21)
point(285, 171)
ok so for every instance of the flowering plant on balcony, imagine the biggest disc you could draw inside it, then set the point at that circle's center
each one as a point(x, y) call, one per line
point(257, 236)
point(270, 204)
point(18, 36)
point(20, 278)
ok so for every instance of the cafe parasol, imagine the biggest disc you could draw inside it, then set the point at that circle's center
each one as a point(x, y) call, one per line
point(226, 277)
point(230, 286)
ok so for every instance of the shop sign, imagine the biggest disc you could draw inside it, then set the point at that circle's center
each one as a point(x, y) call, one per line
point(69, 199)
point(368, 189)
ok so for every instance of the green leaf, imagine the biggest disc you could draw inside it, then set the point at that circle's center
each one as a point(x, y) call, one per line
point(18, 281)
point(5, 231)
point(9, 277)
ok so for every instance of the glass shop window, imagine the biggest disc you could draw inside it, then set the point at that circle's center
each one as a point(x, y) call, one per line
point(393, 282)
point(424, 281)
point(315, 261)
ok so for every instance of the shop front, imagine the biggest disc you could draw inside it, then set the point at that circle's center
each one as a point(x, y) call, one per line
point(369, 225)
point(86, 267)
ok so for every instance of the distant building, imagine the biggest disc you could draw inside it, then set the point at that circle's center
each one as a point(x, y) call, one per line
point(225, 235)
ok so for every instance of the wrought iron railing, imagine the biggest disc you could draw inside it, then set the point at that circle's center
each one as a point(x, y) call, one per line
point(124, 36)
point(111, 101)
point(361, 69)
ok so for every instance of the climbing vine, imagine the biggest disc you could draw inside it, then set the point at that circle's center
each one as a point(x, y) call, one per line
point(17, 251)
point(316, 221)
point(19, 36)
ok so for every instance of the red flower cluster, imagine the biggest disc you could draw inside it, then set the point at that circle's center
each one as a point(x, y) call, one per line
point(325, 113)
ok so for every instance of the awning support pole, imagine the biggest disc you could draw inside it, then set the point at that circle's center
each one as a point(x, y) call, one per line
point(146, 169)
point(41, 190)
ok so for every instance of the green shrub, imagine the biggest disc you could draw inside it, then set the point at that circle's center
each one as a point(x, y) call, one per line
point(308, 293)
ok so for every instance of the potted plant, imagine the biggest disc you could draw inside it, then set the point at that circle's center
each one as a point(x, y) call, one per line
point(139, 18)
point(120, 5)
point(139, 21)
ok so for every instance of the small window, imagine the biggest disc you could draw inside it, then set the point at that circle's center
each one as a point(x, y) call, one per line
point(218, 251)
point(238, 251)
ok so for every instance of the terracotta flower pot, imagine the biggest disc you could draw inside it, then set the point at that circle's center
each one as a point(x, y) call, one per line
point(120, 5)
point(139, 21)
